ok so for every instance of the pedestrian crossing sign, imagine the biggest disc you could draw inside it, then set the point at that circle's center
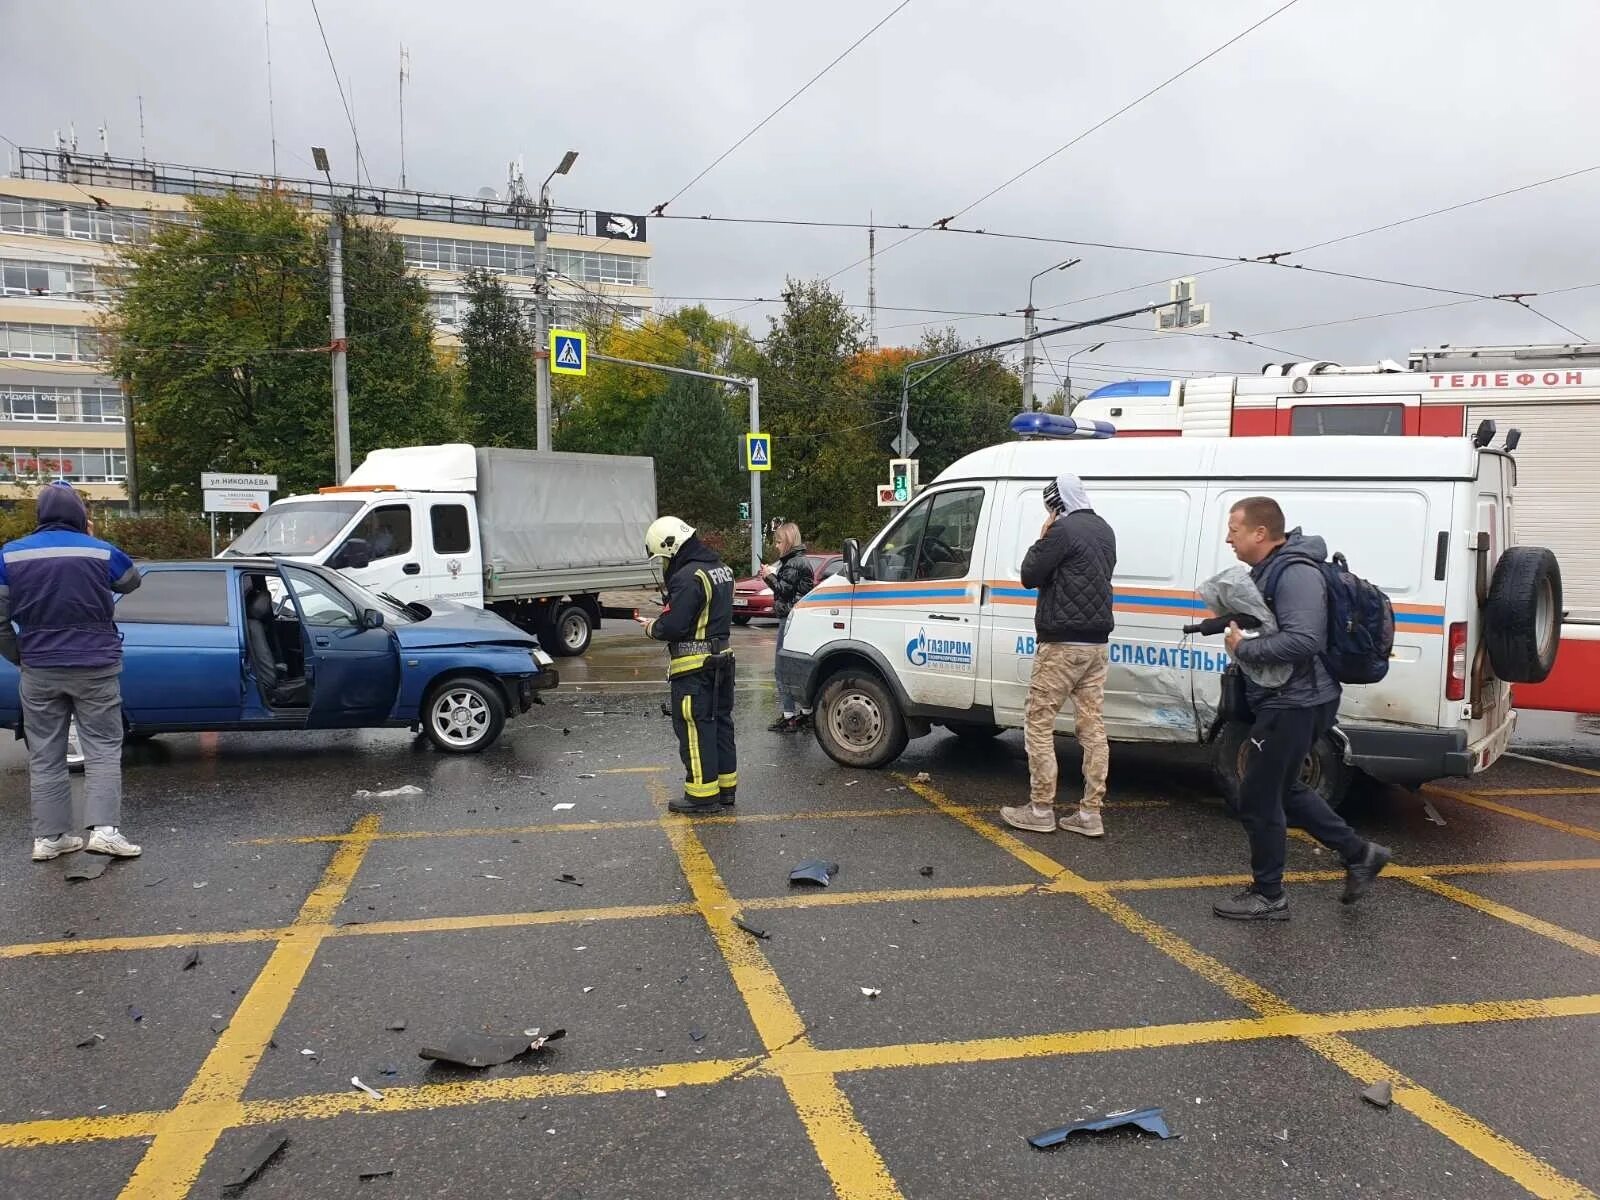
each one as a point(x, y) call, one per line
point(569, 352)
point(758, 452)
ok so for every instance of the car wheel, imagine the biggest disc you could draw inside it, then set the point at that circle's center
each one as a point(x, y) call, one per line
point(1324, 769)
point(570, 632)
point(973, 731)
point(1522, 616)
point(741, 620)
point(463, 715)
point(858, 722)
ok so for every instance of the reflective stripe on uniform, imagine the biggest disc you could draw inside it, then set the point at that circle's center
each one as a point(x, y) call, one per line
point(704, 622)
point(696, 784)
point(686, 663)
point(729, 780)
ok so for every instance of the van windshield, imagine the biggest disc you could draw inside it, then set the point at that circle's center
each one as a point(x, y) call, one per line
point(294, 527)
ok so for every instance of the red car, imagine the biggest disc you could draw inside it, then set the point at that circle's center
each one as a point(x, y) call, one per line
point(753, 598)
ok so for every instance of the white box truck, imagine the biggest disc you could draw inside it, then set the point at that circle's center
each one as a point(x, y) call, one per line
point(535, 537)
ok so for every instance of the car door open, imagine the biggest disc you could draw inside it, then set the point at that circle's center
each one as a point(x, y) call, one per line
point(352, 660)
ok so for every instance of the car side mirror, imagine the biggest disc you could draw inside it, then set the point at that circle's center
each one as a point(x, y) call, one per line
point(355, 554)
point(371, 619)
point(852, 560)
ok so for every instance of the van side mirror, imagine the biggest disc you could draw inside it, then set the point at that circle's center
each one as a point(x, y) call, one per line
point(852, 560)
point(354, 555)
point(371, 618)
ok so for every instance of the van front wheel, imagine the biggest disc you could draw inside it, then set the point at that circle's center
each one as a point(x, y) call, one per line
point(858, 721)
point(1324, 770)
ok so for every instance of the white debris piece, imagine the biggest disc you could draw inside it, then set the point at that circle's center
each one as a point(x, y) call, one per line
point(355, 1082)
point(409, 789)
point(871, 993)
point(562, 807)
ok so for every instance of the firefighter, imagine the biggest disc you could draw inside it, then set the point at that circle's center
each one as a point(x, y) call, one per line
point(695, 624)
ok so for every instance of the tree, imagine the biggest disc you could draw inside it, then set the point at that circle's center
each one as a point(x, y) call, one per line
point(219, 335)
point(692, 435)
point(498, 390)
point(825, 458)
point(399, 389)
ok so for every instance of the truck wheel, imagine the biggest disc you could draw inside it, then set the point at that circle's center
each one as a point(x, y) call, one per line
point(570, 632)
point(463, 715)
point(1324, 770)
point(1522, 617)
point(858, 721)
point(741, 620)
point(973, 731)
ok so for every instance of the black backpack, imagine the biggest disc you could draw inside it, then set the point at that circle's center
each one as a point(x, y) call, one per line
point(1360, 618)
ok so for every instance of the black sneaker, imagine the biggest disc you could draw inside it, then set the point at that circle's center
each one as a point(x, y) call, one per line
point(803, 721)
point(1251, 905)
point(726, 797)
point(784, 725)
point(695, 808)
point(1360, 876)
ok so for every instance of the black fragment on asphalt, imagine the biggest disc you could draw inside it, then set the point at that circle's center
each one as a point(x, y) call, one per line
point(1150, 1120)
point(486, 1050)
point(261, 1152)
point(814, 870)
point(88, 866)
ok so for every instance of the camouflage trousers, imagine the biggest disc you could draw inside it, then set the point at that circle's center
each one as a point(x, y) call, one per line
point(1060, 672)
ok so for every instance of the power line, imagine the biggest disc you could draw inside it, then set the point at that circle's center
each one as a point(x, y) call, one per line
point(361, 164)
point(660, 209)
point(1098, 125)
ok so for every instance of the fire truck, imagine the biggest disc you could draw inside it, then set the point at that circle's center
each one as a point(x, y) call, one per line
point(1548, 395)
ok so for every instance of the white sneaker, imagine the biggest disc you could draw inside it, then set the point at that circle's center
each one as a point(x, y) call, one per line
point(44, 849)
point(108, 839)
point(1083, 821)
point(1025, 816)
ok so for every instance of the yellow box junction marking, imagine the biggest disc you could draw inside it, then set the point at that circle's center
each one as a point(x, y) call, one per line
point(1508, 810)
point(1466, 1131)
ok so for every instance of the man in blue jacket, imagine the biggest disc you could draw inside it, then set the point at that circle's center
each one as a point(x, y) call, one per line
point(57, 623)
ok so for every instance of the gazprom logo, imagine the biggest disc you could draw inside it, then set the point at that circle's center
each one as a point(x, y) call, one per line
point(923, 651)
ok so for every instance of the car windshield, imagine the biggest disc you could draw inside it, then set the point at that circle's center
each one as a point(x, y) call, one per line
point(295, 527)
point(394, 612)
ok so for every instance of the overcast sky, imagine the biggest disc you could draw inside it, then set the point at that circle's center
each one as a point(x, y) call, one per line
point(1335, 116)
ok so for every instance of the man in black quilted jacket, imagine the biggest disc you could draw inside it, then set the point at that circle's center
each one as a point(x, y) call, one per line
point(1071, 566)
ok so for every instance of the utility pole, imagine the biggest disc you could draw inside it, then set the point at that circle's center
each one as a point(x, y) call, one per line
point(541, 324)
point(405, 74)
point(872, 280)
point(1028, 328)
point(341, 383)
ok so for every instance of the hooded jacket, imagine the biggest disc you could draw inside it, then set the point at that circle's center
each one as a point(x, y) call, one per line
point(1298, 598)
point(1071, 566)
point(699, 613)
point(57, 589)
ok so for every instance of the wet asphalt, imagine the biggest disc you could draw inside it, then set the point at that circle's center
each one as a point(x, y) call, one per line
point(1023, 982)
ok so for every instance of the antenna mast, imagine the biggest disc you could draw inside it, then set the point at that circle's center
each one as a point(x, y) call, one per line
point(872, 279)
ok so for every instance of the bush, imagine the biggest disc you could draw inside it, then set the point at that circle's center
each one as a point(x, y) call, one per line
point(165, 536)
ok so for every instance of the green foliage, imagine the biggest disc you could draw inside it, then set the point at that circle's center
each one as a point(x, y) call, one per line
point(165, 536)
point(220, 336)
point(499, 393)
point(692, 435)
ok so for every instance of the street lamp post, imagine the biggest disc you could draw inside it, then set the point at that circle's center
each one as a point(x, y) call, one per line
point(541, 307)
point(1028, 357)
point(1067, 382)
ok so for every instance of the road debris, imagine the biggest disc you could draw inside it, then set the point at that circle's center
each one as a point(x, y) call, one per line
point(925, 872)
point(814, 870)
point(1432, 813)
point(396, 1026)
point(922, 777)
point(355, 1082)
point(374, 1172)
point(1150, 1120)
point(220, 1026)
point(488, 1050)
point(261, 1152)
point(751, 929)
point(134, 1014)
point(563, 807)
point(88, 866)
point(90, 1042)
point(1380, 1094)
point(309, 1053)
point(697, 1035)
point(661, 1094)
point(572, 879)
point(409, 789)
point(199, 885)
point(192, 960)
point(587, 775)
point(871, 993)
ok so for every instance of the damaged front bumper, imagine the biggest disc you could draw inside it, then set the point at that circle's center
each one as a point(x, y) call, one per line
point(524, 689)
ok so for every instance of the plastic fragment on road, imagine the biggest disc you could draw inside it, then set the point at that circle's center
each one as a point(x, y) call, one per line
point(262, 1151)
point(752, 930)
point(1432, 813)
point(134, 1014)
point(587, 775)
point(1150, 1120)
point(396, 1026)
point(375, 1172)
point(90, 1042)
point(871, 993)
point(309, 1053)
point(697, 1035)
point(409, 789)
point(192, 960)
point(355, 1082)
point(661, 1094)
point(564, 877)
point(814, 870)
point(199, 885)
point(922, 777)
point(88, 866)
point(480, 1050)
point(1380, 1094)
point(565, 805)
point(925, 872)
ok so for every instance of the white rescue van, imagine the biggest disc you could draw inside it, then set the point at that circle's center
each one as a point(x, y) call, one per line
point(930, 624)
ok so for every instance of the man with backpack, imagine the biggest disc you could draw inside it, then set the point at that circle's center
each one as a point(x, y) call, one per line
point(1293, 575)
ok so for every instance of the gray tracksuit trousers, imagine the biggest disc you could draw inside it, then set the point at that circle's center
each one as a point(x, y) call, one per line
point(51, 698)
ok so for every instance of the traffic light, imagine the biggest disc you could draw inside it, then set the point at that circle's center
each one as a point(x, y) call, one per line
point(744, 510)
point(902, 477)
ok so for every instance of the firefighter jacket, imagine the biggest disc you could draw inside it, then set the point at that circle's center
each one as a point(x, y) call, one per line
point(699, 612)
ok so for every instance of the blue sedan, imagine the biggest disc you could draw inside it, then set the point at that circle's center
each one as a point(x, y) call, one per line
point(265, 644)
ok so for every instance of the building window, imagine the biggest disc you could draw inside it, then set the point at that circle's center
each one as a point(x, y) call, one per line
point(82, 464)
point(52, 343)
point(47, 218)
point(30, 277)
point(581, 266)
point(1339, 420)
point(41, 402)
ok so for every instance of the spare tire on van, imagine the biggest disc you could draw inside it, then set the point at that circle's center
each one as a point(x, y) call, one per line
point(1522, 615)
